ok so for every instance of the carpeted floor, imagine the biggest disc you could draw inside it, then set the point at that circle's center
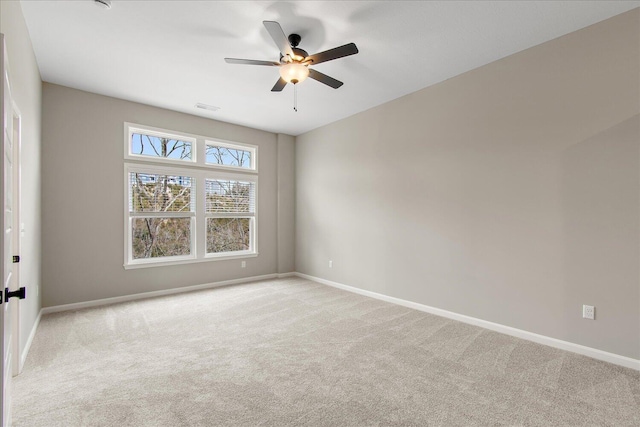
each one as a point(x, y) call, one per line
point(294, 352)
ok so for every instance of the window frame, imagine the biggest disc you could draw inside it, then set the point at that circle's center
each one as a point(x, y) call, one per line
point(251, 215)
point(199, 171)
point(130, 129)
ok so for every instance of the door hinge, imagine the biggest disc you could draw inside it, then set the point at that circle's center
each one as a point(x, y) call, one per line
point(16, 258)
point(20, 293)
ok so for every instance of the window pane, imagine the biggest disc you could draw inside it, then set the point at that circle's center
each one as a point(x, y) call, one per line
point(228, 156)
point(228, 234)
point(155, 146)
point(229, 196)
point(161, 193)
point(160, 237)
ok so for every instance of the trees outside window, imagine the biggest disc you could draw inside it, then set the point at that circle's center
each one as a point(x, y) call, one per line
point(230, 207)
point(223, 155)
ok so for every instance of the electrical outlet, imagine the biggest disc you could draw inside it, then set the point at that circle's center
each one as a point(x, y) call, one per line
point(243, 264)
point(589, 312)
point(330, 264)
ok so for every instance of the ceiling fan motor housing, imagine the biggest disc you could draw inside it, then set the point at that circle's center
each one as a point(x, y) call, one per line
point(294, 39)
point(299, 55)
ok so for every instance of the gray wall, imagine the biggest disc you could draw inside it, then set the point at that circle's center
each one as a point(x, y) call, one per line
point(83, 204)
point(509, 193)
point(286, 203)
point(26, 91)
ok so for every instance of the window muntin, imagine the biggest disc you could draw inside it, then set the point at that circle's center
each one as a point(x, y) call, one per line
point(183, 209)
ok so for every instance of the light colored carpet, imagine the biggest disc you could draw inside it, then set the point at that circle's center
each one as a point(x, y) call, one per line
point(294, 352)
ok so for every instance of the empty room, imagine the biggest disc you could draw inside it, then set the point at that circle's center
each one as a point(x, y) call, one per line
point(320, 213)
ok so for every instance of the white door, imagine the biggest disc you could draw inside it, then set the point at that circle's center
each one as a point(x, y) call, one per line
point(6, 247)
point(16, 233)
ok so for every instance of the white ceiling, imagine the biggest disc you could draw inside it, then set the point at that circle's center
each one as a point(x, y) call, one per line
point(170, 53)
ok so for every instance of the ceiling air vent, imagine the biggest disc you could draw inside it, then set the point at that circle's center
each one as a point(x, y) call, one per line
point(207, 107)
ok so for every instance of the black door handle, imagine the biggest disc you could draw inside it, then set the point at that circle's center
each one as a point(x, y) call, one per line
point(20, 294)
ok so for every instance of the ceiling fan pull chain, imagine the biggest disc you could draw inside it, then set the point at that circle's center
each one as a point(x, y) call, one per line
point(295, 98)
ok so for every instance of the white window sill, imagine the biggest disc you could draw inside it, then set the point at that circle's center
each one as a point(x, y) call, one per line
point(208, 258)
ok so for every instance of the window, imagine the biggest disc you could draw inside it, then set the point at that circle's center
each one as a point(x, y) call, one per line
point(219, 153)
point(161, 146)
point(181, 210)
point(230, 208)
point(161, 211)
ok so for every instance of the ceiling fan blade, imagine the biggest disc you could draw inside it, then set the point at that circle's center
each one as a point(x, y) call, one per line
point(323, 78)
point(335, 53)
point(250, 62)
point(276, 33)
point(280, 84)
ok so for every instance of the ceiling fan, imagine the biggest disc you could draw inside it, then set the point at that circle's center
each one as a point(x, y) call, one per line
point(294, 62)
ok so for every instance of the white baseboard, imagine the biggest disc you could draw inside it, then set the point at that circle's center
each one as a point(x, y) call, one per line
point(519, 333)
point(27, 345)
point(291, 274)
point(616, 359)
point(153, 294)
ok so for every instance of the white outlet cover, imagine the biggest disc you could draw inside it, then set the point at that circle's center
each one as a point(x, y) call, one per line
point(589, 312)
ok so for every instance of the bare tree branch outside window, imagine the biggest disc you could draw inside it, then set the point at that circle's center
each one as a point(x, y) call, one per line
point(228, 156)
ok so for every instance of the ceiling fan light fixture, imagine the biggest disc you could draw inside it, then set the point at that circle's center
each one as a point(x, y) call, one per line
point(294, 72)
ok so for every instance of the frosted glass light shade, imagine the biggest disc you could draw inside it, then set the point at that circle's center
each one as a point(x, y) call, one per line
point(294, 72)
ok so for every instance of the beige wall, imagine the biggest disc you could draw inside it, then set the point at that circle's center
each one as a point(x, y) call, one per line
point(509, 193)
point(286, 203)
point(26, 91)
point(83, 205)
